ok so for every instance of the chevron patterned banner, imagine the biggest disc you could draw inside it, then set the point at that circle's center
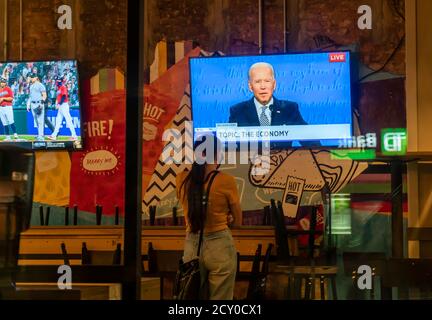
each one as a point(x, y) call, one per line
point(162, 99)
point(162, 181)
point(161, 102)
point(159, 176)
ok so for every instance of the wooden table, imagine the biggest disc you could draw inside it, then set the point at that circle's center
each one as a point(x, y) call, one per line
point(97, 291)
point(48, 239)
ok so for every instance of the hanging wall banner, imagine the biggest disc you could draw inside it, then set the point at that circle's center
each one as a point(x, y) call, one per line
point(52, 178)
point(97, 174)
point(161, 102)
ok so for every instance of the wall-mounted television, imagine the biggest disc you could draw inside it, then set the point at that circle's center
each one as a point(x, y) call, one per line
point(40, 105)
point(295, 100)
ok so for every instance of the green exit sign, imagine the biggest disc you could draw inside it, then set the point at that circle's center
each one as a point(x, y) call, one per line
point(394, 141)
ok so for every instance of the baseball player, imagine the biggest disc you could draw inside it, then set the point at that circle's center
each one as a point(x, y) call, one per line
point(6, 112)
point(62, 105)
point(35, 103)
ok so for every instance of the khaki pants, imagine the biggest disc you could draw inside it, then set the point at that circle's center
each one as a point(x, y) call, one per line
point(218, 262)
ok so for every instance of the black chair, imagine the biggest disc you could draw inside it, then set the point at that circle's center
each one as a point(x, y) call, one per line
point(255, 271)
point(257, 276)
point(162, 264)
point(16, 192)
point(174, 216)
point(257, 287)
point(66, 260)
point(152, 214)
point(101, 257)
point(267, 221)
point(406, 275)
point(281, 235)
point(299, 269)
point(85, 255)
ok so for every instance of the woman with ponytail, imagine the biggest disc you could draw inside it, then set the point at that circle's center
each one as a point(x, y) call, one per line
point(218, 255)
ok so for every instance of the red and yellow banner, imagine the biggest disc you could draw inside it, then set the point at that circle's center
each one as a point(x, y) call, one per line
point(97, 173)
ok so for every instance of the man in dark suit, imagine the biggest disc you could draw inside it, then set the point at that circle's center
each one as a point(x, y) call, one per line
point(264, 109)
point(281, 112)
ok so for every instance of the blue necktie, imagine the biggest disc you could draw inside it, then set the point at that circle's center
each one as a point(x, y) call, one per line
point(263, 119)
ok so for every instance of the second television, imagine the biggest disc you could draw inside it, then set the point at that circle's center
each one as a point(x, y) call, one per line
point(295, 100)
point(40, 105)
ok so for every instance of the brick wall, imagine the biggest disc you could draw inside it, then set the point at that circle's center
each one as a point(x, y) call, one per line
point(40, 37)
point(232, 26)
point(103, 35)
point(98, 36)
point(337, 20)
point(227, 25)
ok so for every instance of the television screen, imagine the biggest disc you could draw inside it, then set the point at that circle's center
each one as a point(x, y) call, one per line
point(295, 100)
point(40, 105)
